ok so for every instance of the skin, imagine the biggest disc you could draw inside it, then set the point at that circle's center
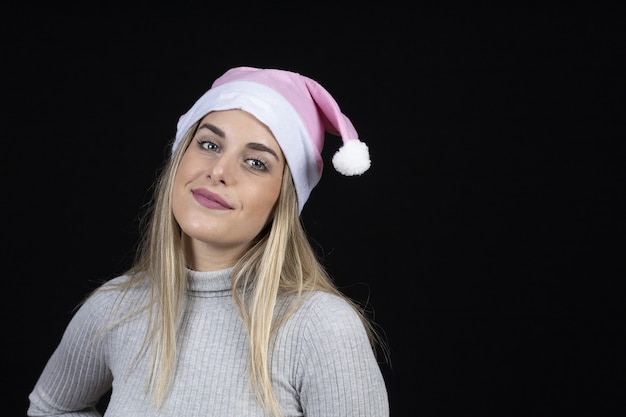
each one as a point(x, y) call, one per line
point(236, 158)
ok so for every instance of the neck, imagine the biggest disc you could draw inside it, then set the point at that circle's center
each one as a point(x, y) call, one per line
point(204, 257)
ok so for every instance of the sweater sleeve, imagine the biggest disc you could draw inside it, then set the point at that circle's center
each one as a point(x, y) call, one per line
point(76, 375)
point(339, 373)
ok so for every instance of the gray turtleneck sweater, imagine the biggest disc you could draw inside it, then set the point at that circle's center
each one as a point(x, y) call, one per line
point(321, 364)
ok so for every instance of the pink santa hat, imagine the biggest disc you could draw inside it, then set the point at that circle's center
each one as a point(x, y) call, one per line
point(297, 110)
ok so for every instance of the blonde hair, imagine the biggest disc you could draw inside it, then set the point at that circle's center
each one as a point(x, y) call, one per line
point(281, 263)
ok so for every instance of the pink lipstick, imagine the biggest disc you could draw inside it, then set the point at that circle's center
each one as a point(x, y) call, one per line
point(210, 200)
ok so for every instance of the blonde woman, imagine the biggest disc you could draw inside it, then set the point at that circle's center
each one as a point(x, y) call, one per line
point(227, 310)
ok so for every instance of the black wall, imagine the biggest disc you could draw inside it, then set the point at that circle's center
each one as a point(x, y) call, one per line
point(487, 237)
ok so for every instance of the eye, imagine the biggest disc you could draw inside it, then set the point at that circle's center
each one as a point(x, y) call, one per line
point(208, 145)
point(257, 164)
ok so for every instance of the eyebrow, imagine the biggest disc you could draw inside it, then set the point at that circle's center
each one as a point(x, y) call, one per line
point(252, 145)
point(260, 147)
point(219, 132)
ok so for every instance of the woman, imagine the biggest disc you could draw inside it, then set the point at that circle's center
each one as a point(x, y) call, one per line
point(227, 310)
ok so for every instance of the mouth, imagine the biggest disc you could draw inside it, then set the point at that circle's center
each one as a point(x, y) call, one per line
point(210, 200)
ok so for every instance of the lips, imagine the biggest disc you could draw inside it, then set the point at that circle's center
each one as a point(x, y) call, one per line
point(210, 200)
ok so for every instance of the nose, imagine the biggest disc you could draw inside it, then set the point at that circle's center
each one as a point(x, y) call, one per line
point(220, 171)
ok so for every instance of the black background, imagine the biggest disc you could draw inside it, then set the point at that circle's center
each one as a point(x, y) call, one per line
point(488, 236)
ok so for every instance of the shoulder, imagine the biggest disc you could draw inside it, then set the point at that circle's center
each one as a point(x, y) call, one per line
point(326, 305)
point(326, 331)
point(116, 294)
point(323, 314)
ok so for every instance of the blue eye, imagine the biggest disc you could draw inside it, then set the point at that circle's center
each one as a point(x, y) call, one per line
point(257, 164)
point(208, 145)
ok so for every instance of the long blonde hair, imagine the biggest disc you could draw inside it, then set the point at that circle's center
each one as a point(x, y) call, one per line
point(281, 262)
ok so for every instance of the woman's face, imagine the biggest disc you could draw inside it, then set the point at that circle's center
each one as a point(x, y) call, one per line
point(226, 187)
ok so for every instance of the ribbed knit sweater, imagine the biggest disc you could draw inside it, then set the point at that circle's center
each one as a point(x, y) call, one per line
point(321, 363)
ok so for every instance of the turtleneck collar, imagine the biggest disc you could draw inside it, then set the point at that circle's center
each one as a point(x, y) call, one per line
point(209, 284)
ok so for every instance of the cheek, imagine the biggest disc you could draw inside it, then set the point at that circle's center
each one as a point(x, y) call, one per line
point(267, 201)
point(177, 187)
point(181, 179)
point(185, 167)
point(188, 169)
point(177, 201)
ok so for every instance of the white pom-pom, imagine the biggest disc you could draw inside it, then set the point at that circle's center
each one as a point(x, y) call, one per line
point(353, 158)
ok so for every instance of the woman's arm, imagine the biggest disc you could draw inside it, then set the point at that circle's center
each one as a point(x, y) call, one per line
point(340, 375)
point(76, 375)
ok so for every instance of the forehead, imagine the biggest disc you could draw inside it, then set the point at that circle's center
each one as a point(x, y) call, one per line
point(237, 121)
